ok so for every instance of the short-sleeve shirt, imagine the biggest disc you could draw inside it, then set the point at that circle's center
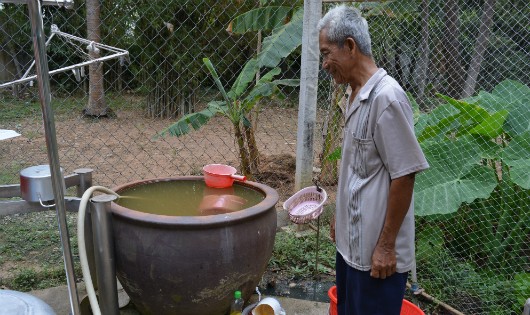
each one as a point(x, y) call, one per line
point(379, 145)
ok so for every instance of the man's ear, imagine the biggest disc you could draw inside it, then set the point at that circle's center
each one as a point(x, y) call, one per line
point(350, 44)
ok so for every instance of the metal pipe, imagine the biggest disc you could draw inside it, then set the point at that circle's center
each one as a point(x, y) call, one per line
point(33, 62)
point(104, 253)
point(87, 41)
point(60, 3)
point(85, 180)
point(318, 243)
point(10, 191)
point(79, 65)
point(10, 207)
point(84, 176)
point(41, 67)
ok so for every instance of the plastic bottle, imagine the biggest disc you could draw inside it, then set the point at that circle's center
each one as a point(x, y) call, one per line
point(237, 305)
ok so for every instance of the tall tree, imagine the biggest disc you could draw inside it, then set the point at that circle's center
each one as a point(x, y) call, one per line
point(480, 48)
point(454, 71)
point(96, 96)
point(423, 58)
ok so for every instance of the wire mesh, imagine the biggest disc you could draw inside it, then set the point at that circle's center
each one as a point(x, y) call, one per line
point(464, 64)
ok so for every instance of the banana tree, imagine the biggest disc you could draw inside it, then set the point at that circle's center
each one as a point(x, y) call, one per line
point(285, 24)
point(235, 106)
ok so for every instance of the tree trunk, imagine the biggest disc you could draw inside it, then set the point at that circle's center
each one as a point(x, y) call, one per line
point(454, 72)
point(480, 48)
point(423, 59)
point(252, 149)
point(243, 153)
point(96, 95)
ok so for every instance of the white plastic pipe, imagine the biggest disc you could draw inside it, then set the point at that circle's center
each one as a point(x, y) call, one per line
point(82, 246)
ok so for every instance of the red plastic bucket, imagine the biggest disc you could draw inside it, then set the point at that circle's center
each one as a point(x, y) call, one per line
point(332, 293)
point(220, 175)
point(407, 308)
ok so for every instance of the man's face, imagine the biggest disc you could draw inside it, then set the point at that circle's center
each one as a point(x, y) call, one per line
point(335, 60)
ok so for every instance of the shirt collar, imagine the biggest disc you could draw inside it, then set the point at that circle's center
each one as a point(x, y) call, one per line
point(371, 83)
point(365, 92)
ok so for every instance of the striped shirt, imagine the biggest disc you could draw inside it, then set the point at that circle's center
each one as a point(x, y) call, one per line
point(379, 145)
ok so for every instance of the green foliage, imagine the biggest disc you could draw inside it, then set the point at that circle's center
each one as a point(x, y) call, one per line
point(464, 140)
point(10, 174)
point(28, 279)
point(476, 192)
point(462, 284)
point(25, 280)
point(296, 255)
point(522, 287)
point(282, 42)
point(237, 102)
point(15, 109)
point(265, 18)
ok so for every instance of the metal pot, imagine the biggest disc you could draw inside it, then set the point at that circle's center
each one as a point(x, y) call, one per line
point(14, 302)
point(36, 183)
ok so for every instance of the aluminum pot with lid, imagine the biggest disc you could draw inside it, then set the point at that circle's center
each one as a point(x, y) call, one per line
point(36, 183)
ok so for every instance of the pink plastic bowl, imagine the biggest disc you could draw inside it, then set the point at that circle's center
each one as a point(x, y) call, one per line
point(220, 175)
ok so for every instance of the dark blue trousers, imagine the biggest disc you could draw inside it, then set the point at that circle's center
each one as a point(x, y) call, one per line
point(360, 294)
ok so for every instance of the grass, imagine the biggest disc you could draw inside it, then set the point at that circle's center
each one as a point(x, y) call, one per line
point(30, 250)
point(12, 109)
point(461, 284)
point(10, 174)
point(295, 256)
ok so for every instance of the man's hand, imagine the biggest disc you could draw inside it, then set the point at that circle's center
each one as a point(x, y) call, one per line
point(383, 262)
point(384, 258)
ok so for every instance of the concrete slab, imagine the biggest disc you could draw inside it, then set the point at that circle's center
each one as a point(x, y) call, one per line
point(303, 307)
point(58, 299)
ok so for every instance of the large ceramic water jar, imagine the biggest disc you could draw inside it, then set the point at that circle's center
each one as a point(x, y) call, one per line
point(190, 264)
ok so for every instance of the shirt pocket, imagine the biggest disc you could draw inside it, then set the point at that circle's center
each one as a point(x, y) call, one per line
point(365, 159)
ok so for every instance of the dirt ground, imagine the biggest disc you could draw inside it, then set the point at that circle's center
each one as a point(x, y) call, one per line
point(125, 148)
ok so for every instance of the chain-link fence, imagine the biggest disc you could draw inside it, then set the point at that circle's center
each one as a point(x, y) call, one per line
point(158, 112)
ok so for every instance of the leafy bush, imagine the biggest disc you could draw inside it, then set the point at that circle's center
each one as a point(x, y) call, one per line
point(473, 201)
point(296, 255)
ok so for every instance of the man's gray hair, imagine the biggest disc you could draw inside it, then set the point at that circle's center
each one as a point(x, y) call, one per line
point(344, 21)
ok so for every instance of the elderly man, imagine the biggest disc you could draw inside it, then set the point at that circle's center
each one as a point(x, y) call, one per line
point(374, 229)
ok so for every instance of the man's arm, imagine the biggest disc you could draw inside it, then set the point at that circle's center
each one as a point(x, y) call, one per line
point(384, 257)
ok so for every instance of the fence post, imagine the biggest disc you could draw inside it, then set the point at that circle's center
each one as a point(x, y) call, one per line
point(308, 95)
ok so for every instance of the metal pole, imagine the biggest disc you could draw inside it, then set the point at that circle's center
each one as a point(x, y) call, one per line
point(317, 249)
point(41, 68)
point(76, 66)
point(60, 3)
point(104, 254)
point(84, 177)
point(85, 180)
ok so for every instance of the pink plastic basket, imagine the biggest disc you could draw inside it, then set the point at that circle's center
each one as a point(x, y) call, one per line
point(306, 205)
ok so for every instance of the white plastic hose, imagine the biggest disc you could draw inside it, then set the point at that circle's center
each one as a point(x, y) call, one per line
point(82, 247)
